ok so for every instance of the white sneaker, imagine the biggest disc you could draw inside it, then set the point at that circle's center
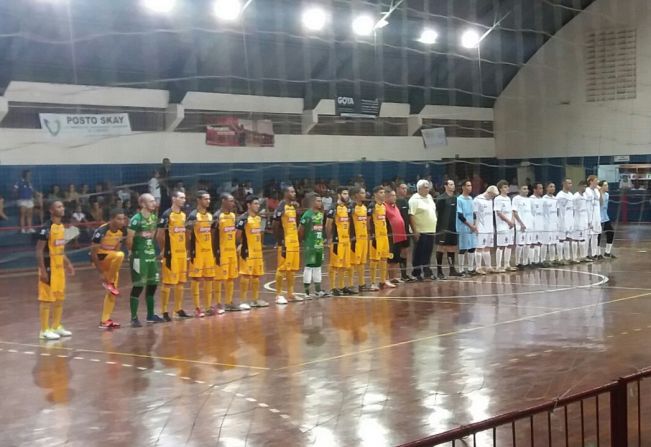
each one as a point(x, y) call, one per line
point(48, 335)
point(298, 298)
point(244, 306)
point(281, 300)
point(62, 332)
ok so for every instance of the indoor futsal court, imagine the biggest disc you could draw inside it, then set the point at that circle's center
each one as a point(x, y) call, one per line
point(325, 223)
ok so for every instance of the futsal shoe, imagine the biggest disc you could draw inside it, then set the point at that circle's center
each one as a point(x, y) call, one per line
point(181, 314)
point(166, 317)
point(48, 335)
point(455, 273)
point(387, 285)
point(512, 269)
point(135, 322)
point(322, 294)
point(337, 292)
point(500, 270)
point(281, 300)
point(210, 312)
point(198, 313)
point(297, 298)
point(111, 288)
point(259, 303)
point(109, 324)
point(350, 291)
point(481, 272)
point(244, 306)
point(610, 256)
point(62, 332)
point(154, 319)
point(439, 275)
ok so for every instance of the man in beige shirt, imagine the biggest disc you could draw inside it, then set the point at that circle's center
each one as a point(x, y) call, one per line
point(422, 218)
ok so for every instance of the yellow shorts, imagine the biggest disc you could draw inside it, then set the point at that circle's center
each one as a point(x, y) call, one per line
point(106, 261)
point(227, 268)
point(177, 272)
point(360, 254)
point(55, 289)
point(342, 258)
point(252, 266)
point(291, 261)
point(381, 249)
point(203, 266)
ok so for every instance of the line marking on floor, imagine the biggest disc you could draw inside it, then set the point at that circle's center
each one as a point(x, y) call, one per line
point(473, 329)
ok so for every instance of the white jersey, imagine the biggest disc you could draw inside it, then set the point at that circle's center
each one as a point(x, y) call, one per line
point(537, 213)
point(565, 211)
point(580, 211)
point(503, 205)
point(522, 205)
point(593, 197)
point(483, 209)
point(550, 213)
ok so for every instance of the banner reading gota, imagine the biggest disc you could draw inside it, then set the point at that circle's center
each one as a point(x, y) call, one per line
point(59, 125)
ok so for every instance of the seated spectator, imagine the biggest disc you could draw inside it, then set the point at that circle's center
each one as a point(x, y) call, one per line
point(97, 212)
point(78, 219)
point(154, 186)
point(55, 194)
point(71, 195)
point(3, 216)
point(39, 208)
point(84, 196)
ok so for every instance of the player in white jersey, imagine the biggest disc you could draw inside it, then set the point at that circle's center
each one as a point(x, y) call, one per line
point(483, 208)
point(593, 196)
point(580, 232)
point(550, 216)
point(524, 227)
point(565, 200)
point(505, 228)
point(538, 224)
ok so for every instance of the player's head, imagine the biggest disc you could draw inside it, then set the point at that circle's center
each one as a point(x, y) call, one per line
point(178, 198)
point(147, 202)
point(503, 187)
point(582, 186)
point(203, 199)
point(466, 186)
point(379, 193)
point(603, 185)
point(538, 189)
point(550, 188)
point(358, 194)
point(450, 187)
point(402, 190)
point(253, 204)
point(316, 202)
point(491, 192)
point(227, 202)
point(568, 185)
point(592, 181)
point(118, 218)
point(289, 193)
point(343, 194)
point(423, 186)
point(57, 209)
point(390, 196)
point(524, 190)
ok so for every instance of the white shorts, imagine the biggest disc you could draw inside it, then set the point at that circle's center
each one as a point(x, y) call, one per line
point(28, 203)
point(579, 235)
point(595, 231)
point(505, 238)
point(485, 240)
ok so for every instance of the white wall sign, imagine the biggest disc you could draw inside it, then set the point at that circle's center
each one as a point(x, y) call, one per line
point(434, 137)
point(58, 125)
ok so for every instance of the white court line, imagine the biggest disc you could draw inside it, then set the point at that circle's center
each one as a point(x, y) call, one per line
point(602, 280)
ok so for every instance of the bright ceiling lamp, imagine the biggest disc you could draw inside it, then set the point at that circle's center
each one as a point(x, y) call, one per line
point(470, 39)
point(160, 6)
point(227, 9)
point(363, 25)
point(428, 36)
point(314, 18)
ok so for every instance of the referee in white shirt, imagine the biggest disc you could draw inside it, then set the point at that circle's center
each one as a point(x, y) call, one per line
point(422, 218)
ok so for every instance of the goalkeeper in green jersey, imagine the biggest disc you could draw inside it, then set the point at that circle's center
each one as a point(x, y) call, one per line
point(312, 231)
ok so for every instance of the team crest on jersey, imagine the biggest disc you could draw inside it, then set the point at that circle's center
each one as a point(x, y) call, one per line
point(291, 219)
point(179, 229)
point(318, 227)
point(361, 218)
point(148, 234)
point(59, 242)
point(204, 229)
point(256, 230)
point(229, 229)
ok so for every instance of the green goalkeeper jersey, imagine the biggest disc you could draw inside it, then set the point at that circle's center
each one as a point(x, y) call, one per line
point(313, 223)
point(143, 241)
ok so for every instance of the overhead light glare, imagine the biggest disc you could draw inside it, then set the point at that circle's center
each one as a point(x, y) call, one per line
point(470, 39)
point(314, 19)
point(159, 6)
point(363, 25)
point(228, 10)
point(428, 36)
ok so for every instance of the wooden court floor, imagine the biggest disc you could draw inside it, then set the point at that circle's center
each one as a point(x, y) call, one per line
point(373, 370)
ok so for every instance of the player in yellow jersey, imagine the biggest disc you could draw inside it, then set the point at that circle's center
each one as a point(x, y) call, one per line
point(379, 240)
point(52, 262)
point(171, 237)
point(249, 237)
point(202, 259)
point(338, 233)
point(285, 228)
point(359, 236)
point(225, 251)
point(107, 256)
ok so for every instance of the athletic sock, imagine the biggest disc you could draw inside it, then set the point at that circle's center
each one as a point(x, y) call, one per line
point(57, 314)
point(149, 298)
point(179, 291)
point(307, 277)
point(165, 292)
point(499, 253)
point(207, 290)
point(478, 259)
point(289, 276)
point(279, 282)
point(133, 304)
point(245, 283)
point(543, 253)
point(373, 271)
point(439, 262)
point(507, 257)
point(333, 278)
point(44, 315)
point(518, 254)
point(486, 255)
point(536, 255)
point(403, 269)
point(609, 248)
point(383, 270)
point(451, 256)
point(462, 260)
point(109, 305)
point(574, 247)
point(230, 287)
point(360, 275)
point(255, 287)
point(217, 292)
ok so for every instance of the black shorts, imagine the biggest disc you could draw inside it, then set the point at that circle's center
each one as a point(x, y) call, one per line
point(395, 251)
point(447, 238)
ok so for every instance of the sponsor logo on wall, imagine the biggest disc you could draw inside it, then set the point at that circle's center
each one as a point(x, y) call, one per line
point(59, 125)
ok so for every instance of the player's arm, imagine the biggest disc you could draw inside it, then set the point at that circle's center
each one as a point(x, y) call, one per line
point(329, 223)
point(68, 265)
point(412, 222)
point(301, 228)
point(40, 259)
point(239, 231)
point(160, 234)
point(276, 225)
point(94, 248)
point(464, 221)
point(516, 217)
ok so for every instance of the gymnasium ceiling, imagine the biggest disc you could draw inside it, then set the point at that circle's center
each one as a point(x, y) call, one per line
point(268, 52)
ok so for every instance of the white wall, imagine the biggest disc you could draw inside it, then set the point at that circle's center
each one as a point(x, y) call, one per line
point(530, 119)
point(36, 147)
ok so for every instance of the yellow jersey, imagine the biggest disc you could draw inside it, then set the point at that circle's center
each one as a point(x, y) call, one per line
point(108, 240)
point(54, 235)
point(286, 215)
point(224, 243)
point(200, 225)
point(360, 222)
point(173, 223)
point(340, 214)
point(378, 214)
point(251, 228)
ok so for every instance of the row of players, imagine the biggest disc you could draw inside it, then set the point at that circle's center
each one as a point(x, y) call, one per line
point(544, 228)
point(214, 250)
